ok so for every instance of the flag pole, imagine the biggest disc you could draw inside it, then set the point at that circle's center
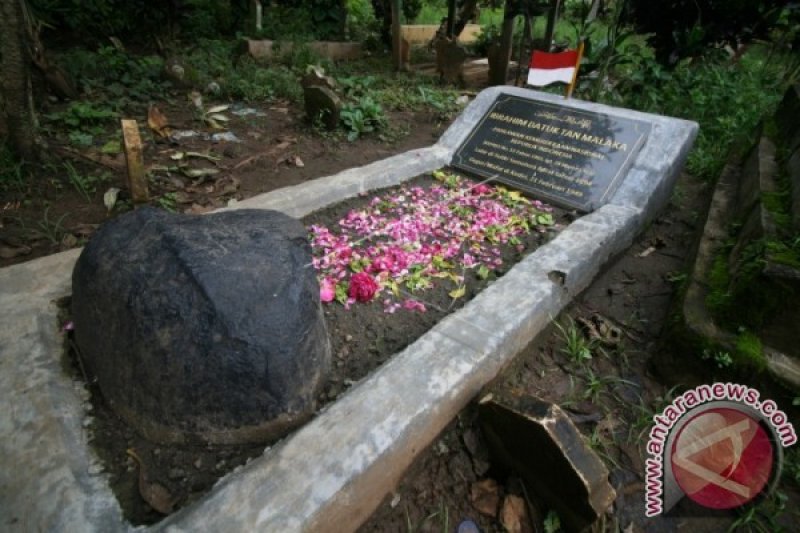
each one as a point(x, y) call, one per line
point(571, 85)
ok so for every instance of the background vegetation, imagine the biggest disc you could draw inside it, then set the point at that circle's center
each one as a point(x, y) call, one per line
point(724, 65)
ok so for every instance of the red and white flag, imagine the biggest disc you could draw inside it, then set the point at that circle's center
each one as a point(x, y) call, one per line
point(547, 68)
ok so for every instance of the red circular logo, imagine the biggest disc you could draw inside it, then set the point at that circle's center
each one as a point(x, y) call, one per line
point(722, 458)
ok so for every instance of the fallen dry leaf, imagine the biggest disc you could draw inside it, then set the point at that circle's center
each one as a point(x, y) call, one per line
point(227, 185)
point(608, 424)
point(175, 182)
point(198, 209)
point(154, 493)
point(198, 172)
point(647, 252)
point(110, 198)
point(514, 515)
point(117, 43)
point(182, 198)
point(485, 496)
point(293, 160)
point(283, 143)
point(84, 230)
point(68, 241)
point(158, 122)
point(10, 252)
point(196, 99)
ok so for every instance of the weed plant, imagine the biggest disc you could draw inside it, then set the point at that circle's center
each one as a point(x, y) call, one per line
point(108, 72)
point(52, 230)
point(727, 99)
point(361, 117)
point(12, 171)
point(84, 184)
point(576, 347)
point(83, 120)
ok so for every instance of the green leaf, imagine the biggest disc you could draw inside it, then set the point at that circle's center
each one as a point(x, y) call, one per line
point(394, 288)
point(80, 138)
point(458, 293)
point(341, 292)
point(357, 265)
point(111, 147)
point(440, 263)
point(483, 272)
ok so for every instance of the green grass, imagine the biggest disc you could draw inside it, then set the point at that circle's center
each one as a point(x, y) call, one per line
point(12, 171)
point(565, 31)
point(749, 351)
point(434, 15)
point(575, 346)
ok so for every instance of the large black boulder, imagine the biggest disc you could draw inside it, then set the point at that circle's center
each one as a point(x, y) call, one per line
point(202, 328)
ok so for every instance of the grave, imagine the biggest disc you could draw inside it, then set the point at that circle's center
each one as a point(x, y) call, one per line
point(338, 467)
point(570, 157)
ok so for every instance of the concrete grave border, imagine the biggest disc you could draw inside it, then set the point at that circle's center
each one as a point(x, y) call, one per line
point(332, 473)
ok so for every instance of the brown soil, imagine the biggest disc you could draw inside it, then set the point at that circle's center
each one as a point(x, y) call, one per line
point(49, 214)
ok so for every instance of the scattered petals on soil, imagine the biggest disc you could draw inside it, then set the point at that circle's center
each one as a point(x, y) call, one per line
point(411, 238)
point(327, 290)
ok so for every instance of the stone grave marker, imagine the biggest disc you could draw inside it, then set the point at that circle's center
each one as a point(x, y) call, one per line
point(571, 157)
point(202, 328)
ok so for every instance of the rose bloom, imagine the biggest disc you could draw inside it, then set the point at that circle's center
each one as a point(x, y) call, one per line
point(362, 287)
point(327, 290)
point(481, 189)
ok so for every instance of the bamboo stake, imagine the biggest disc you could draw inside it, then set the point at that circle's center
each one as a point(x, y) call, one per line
point(571, 85)
point(134, 156)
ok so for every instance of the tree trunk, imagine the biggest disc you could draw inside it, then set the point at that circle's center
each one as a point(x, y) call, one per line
point(15, 80)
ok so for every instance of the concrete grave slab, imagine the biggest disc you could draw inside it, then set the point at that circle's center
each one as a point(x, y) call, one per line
point(338, 467)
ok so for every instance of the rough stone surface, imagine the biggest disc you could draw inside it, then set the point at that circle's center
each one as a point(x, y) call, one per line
point(322, 104)
point(202, 327)
point(338, 467)
point(516, 425)
point(450, 57)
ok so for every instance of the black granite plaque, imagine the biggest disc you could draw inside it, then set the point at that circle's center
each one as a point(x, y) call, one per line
point(570, 157)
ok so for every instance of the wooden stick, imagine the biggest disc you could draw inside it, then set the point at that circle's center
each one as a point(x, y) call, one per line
point(97, 159)
point(397, 54)
point(571, 85)
point(134, 156)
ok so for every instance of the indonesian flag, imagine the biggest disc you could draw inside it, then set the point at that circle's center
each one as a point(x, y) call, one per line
point(547, 68)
